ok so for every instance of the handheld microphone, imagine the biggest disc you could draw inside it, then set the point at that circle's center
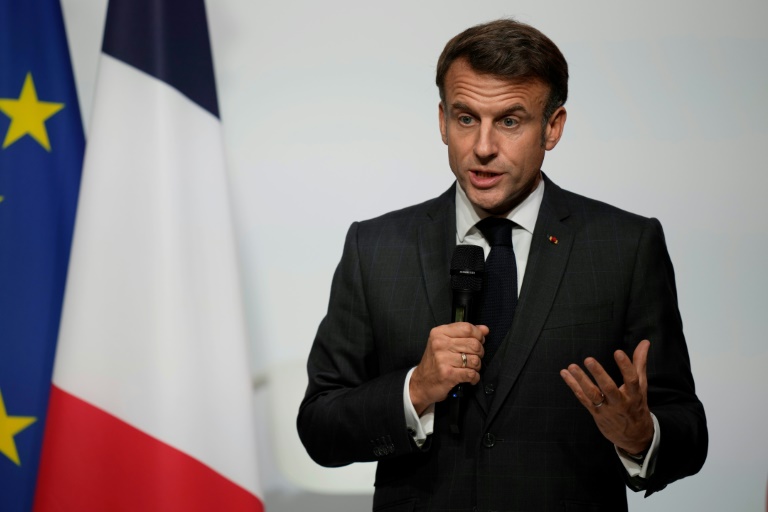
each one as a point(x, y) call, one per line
point(467, 267)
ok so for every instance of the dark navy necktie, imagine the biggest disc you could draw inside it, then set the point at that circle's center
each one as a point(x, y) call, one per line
point(500, 283)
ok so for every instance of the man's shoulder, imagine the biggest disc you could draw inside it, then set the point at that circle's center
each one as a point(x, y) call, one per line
point(406, 226)
point(415, 215)
point(588, 209)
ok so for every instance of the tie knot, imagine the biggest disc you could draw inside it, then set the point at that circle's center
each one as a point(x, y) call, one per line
point(496, 230)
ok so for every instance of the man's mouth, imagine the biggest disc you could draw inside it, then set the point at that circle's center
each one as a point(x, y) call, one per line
point(483, 179)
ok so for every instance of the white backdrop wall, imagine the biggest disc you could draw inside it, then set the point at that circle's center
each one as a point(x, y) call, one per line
point(330, 116)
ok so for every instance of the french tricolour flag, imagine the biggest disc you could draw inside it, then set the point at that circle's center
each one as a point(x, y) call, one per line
point(151, 406)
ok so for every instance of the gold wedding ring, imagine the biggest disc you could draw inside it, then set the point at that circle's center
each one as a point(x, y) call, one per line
point(463, 360)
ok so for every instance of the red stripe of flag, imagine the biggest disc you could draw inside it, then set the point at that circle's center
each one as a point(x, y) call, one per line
point(93, 461)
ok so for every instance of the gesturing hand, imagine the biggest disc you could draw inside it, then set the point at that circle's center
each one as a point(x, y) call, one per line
point(621, 413)
point(442, 365)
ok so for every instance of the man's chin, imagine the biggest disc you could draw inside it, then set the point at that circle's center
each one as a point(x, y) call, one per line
point(489, 204)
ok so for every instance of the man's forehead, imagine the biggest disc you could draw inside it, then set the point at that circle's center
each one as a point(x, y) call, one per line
point(463, 79)
point(473, 91)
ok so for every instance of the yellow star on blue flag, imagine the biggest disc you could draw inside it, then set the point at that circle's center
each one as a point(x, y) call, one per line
point(28, 115)
point(9, 427)
point(41, 156)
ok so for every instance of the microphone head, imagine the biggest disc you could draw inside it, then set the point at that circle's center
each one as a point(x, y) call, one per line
point(467, 267)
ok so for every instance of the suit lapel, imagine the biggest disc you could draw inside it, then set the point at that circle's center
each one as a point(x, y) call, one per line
point(437, 238)
point(546, 264)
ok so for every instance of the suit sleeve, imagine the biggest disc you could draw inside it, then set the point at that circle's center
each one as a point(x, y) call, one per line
point(653, 313)
point(352, 412)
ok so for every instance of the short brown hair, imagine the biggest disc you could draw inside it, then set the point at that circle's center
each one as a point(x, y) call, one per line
point(509, 49)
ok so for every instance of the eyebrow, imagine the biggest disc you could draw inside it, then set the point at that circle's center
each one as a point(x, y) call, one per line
point(514, 109)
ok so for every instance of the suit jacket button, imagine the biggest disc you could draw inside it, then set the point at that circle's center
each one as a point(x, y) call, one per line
point(489, 389)
point(489, 440)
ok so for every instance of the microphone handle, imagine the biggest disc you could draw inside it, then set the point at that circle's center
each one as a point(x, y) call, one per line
point(463, 311)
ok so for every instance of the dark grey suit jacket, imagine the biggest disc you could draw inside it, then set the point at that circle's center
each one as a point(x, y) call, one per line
point(526, 443)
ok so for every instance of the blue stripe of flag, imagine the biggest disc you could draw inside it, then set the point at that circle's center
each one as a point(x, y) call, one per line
point(167, 39)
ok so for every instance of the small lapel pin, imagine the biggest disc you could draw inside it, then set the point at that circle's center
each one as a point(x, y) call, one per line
point(553, 239)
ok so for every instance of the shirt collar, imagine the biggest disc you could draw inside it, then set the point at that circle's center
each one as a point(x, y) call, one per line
point(524, 214)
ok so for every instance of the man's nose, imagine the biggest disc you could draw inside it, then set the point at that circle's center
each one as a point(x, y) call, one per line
point(486, 147)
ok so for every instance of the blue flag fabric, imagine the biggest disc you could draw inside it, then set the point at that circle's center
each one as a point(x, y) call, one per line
point(41, 155)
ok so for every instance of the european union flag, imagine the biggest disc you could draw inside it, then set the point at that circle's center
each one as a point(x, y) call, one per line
point(41, 155)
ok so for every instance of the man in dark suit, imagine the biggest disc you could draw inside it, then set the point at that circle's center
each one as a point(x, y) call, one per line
point(595, 287)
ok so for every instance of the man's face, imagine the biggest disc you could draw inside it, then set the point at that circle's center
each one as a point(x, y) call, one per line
point(493, 129)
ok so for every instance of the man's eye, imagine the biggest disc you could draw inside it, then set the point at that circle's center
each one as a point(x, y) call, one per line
point(465, 119)
point(509, 122)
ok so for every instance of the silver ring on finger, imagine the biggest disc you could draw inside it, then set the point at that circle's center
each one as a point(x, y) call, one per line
point(463, 360)
point(600, 403)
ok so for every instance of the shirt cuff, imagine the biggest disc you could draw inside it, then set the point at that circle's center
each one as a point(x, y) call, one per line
point(642, 468)
point(418, 426)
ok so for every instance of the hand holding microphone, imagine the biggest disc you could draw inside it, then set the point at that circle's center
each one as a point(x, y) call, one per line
point(442, 369)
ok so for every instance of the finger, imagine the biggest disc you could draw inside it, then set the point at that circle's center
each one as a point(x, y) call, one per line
point(467, 346)
point(577, 390)
point(456, 338)
point(603, 380)
point(592, 393)
point(633, 370)
point(473, 377)
point(640, 360)
point(461, 375)
point(628, 372)
point(471, 361)
point(465, 330)
point(472, 346)
point(460, 354)
point(466, 360)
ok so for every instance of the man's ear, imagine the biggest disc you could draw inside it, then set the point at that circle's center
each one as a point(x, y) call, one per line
point(443, 127)
point(554, 128)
